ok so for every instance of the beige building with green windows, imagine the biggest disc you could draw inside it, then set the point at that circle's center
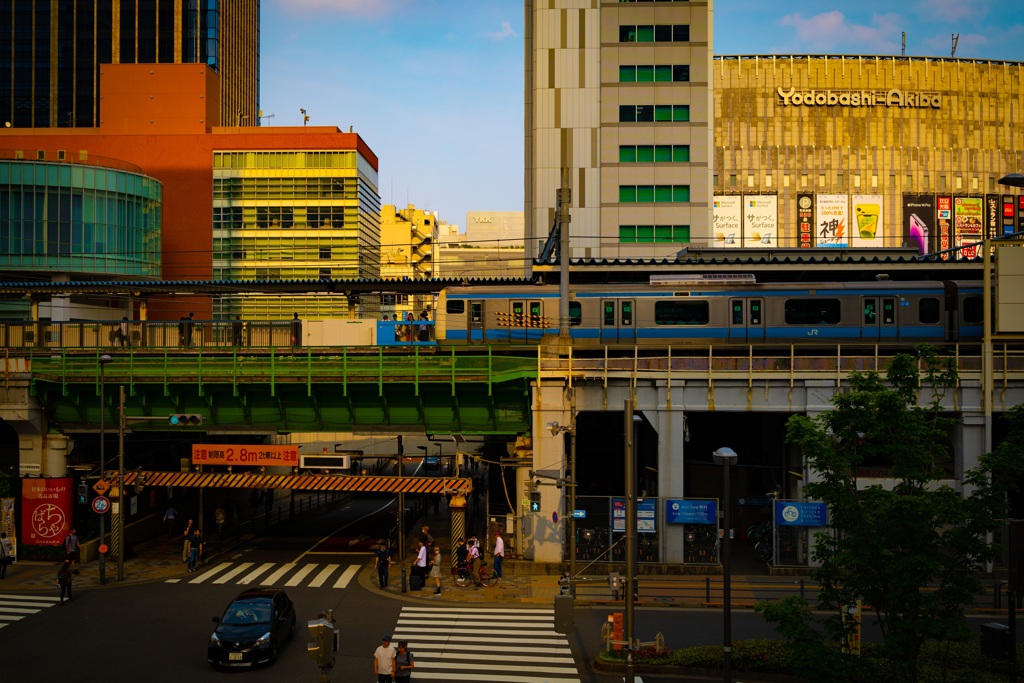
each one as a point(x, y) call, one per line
point(299, 214)
point(408, 239)
point(619, 94)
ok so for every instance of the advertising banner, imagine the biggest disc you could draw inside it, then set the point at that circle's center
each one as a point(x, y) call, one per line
point(790, 513)
point(691, 511)
point(944, 221)
point(967, 218)
point(832, 221)
point(46, 512)
point(1020, 213)
point(993, 207)
point(259, 456)
point(760, 221)
point(7, 522)
point(727, 215)
point(869, 231)
point(1008, 213)
point(919, 221)
point(805, 220)
point(646, 515)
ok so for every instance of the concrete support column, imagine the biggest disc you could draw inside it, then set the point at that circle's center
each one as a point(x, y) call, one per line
point(457, 509)
point(541, 535)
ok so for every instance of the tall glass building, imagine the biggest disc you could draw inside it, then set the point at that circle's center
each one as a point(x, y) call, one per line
point(51, 52)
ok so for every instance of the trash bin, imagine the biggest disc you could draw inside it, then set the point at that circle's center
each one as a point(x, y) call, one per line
point(995, 640)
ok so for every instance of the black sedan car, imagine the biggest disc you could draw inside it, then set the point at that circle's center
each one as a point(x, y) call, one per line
point(252, 629)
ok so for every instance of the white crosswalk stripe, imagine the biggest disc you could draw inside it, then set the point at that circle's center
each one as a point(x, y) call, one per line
point(447, 643)
point(293, 574)
point(14, 607)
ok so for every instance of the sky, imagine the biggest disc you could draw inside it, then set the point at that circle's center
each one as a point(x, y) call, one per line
point(435, 87)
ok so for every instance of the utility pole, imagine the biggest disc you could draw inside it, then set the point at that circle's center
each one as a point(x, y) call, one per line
point(563, 218)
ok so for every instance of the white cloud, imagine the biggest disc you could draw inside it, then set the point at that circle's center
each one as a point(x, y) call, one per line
point(505, 32)
point(831, 32)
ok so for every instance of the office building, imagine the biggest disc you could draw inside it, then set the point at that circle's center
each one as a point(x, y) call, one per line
point(52, 51)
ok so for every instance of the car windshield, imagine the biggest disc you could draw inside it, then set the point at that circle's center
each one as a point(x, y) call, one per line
point(241, 613)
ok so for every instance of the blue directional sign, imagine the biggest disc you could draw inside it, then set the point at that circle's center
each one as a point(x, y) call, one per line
point(691, 511)
point(791, 513)
point(579, 514)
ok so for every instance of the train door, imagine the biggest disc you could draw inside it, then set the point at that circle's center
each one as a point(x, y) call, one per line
point(475, 331)
point(746, 320)
point(878, 318)
point(618, 324)
point(517, 320)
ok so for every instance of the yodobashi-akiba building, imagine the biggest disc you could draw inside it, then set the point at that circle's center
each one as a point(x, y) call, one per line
point(837, 151)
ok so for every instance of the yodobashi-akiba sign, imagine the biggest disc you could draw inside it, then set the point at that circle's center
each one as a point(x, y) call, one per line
point(859, 98)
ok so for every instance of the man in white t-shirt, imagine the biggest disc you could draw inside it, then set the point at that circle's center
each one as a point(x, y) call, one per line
point(384, 661)
point(499, 553)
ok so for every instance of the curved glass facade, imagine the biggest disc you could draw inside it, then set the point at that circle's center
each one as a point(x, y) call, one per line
point(72, 218)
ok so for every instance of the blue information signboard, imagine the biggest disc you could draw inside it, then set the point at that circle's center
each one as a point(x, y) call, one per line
point(691, 511)
point(789, 513)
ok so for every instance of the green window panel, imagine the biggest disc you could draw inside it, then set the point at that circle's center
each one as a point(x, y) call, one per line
point(680, 153)
point(681, 193)
point(645, 153)
point(627, 233)
point(645, 34)
point(663, 153)
point(627, 194)
point(627, 154)
point(663, 233)
point(663, 73)
point(645, 73)
point(627, 74)
point(681, 112)
point(663, 193)
point(662, 113)
point(681, 233)
point(645, 233)
point(644, 193)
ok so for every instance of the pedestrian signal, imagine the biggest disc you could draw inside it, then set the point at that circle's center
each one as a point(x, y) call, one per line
point(535, 501)
point(83, 493)
point(186, 420)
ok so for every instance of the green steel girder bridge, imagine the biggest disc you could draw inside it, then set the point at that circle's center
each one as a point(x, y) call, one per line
point(337, 389)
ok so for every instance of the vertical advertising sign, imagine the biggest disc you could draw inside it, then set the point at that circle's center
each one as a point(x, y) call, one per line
point(919, 221)
point(805, 220)
point(760, 221)
point(993, 207)
point(944, 220)
point(1020, 213)
point(1008, 215)
point(967, 217)
point(869, 231)
point(727, 215)
point(832, 221)
point(46, 514)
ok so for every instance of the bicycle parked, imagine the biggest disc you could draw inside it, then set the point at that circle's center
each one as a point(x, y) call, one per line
point(462, 575)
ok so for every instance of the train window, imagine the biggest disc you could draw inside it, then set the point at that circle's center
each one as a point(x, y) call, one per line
point(476, 313)
point(627, 314)
point(737, 312)
point(681, 313)
point(609, 313)
point(973, 310)
point(888, 311)
point(812, 311)
point(455, 307)
point(755, 311)
point(518, 313)
point(928, 311)
point(870, 312)
point(535, 313)
point(575, 313)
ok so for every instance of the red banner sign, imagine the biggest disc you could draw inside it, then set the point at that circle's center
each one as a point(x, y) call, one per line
point(254, 456)
point(46, 510)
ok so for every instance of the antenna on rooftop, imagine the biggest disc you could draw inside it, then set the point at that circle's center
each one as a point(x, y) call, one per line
point(904, 53)
point(956, 39)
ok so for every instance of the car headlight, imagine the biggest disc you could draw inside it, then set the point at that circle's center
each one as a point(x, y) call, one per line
point(214, 640)
point(263, 640)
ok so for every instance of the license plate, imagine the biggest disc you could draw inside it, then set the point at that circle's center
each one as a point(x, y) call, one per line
point(234, 656)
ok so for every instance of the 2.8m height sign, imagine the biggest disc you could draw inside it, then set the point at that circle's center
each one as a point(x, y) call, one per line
point(254, 456)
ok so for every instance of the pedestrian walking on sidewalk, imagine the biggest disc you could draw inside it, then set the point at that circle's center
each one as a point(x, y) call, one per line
point(384, 661)
point(170, 519)
point(420, 565)
point(6, 554)
point(188, 538)
point(72, 548)
point(403, 663)
point(435, 570)
point(474, 559)
point(65, 577)
point(383, 555)
point(195, 547)
point(499, 552)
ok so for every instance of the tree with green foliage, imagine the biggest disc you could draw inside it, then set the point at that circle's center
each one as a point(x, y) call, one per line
point(911, 553)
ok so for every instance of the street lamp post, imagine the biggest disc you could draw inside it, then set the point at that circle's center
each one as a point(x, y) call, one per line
point(726, 457)
point(104, 359)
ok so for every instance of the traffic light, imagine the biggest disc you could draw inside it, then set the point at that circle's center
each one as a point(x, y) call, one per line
point(189, 420)
point(83, 493)
point(535, 500)
point(140, 482)
point(321, 650)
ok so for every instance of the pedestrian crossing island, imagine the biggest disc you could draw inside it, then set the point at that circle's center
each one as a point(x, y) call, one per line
point(522, 644)
point(288, 574)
